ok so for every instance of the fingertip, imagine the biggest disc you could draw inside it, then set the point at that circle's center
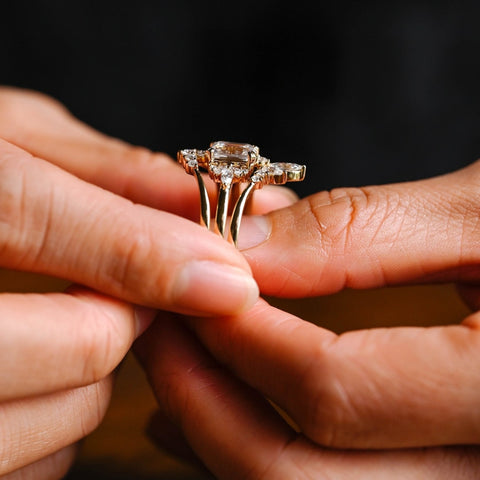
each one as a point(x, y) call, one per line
point(204, 287)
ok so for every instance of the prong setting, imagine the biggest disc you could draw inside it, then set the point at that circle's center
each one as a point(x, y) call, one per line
point(229, 163)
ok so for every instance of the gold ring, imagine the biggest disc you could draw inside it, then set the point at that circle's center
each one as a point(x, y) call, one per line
point(230, 163)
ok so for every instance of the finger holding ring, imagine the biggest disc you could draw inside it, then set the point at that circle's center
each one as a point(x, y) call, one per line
point(230, 163)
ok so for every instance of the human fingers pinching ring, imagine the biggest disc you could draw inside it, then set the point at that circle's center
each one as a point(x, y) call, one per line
point(55, 223)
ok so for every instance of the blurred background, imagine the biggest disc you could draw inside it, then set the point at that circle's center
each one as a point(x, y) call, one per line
point(361, 92)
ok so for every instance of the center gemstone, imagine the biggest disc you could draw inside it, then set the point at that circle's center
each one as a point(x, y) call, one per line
point(233, 153)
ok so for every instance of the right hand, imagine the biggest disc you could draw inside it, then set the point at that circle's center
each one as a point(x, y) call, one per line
point(64, 225)
point(57, 355)
point(57, 217)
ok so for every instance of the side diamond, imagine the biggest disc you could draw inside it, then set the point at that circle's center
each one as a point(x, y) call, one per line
point(226, 176)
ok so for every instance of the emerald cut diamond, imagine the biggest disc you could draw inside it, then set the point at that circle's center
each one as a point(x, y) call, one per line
point(233, 153)
point(231, 162)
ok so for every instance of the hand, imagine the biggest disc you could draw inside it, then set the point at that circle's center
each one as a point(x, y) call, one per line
point(57, 355)
point(53, 222)
point(343, 393)
point(58, 350)
point(379, 393)
point(414, 232)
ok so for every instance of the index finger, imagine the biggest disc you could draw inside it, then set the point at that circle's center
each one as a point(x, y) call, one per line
point(51, 222)
point(378, 388)
point(237, 434)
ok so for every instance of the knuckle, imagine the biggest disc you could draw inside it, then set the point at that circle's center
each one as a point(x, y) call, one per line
point(14, 193)
point(143, 157)
point(174, 394)
point(463, 215)
point(365, 210)
point(130, 260)
point(27, 211)
point(340, 214)
point(135, 159)
point(369, 220)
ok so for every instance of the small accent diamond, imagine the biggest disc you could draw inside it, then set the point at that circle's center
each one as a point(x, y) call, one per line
point(192, 162)
point(240, 172)
point(190, 156)
point(226, 176)
point(292, 167)
point(274, 169)
point(216, 169)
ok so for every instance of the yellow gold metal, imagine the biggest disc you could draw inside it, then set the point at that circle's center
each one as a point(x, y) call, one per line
point(295, 172)
point(222, 209)
point(204, 200)
point(191, 160)
point(230, 164)
point(238, 211)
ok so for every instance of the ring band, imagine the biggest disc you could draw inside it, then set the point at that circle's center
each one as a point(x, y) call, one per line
point(227, 164)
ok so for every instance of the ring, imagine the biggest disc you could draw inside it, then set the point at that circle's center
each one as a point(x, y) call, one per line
point(229, 164)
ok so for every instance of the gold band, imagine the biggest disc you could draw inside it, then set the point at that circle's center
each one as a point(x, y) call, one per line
point(228, 164)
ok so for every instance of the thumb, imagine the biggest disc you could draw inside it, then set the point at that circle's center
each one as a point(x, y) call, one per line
point(369, 237)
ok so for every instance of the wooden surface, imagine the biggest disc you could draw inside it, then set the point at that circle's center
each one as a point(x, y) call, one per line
point(119, 450)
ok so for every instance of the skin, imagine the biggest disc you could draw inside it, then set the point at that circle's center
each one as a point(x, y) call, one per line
point(381, 403)
point(99, 213)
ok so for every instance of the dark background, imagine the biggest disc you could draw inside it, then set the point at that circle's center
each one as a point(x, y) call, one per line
point(361, 92)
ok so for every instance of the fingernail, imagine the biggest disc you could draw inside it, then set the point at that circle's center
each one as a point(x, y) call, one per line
point(254, 230)
point(144, 316)
point(215, 288)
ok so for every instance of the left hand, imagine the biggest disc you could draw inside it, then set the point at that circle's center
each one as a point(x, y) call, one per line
point(385, 392)
point(378, 393)
point(58, 351)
